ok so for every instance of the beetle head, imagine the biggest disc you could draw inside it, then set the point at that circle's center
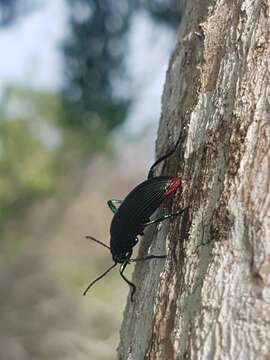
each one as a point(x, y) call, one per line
point(122, 256)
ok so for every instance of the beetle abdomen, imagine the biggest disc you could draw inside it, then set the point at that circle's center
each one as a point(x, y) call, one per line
point(140, 204)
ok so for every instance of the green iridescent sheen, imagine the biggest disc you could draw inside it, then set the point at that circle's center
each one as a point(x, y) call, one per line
point(111, 205)
point(168, 185)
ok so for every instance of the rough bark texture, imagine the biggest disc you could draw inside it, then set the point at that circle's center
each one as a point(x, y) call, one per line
point(210, 299)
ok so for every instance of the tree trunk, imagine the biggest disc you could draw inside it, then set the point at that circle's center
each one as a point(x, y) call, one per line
point(210, 298)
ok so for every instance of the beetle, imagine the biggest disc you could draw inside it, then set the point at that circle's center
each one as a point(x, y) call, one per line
point(133, 215)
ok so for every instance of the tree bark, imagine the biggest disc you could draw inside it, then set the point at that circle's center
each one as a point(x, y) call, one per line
point(210, 298)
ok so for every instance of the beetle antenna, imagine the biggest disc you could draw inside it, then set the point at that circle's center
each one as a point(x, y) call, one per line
point(98, 241)
point(97, 279)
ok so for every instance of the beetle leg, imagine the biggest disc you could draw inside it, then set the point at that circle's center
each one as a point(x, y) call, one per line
point(111, 205)
point(151, 171)
point(164, 217)
point(149, 258)
point(133, 287)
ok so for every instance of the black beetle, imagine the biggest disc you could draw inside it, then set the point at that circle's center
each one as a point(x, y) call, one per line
point(133, 215)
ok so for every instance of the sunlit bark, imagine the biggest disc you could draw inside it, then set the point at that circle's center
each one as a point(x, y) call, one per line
point(210, 299)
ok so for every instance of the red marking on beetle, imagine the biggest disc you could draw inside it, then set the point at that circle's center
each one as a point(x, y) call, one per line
point(176, 182)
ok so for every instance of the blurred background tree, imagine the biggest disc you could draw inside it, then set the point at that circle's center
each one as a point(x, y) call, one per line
point(11, 10)
point(94, 57)
point(94, 60)
point(167, 12)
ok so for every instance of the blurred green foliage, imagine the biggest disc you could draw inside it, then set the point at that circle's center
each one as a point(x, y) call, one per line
point(36, 153)
point(27, 152)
